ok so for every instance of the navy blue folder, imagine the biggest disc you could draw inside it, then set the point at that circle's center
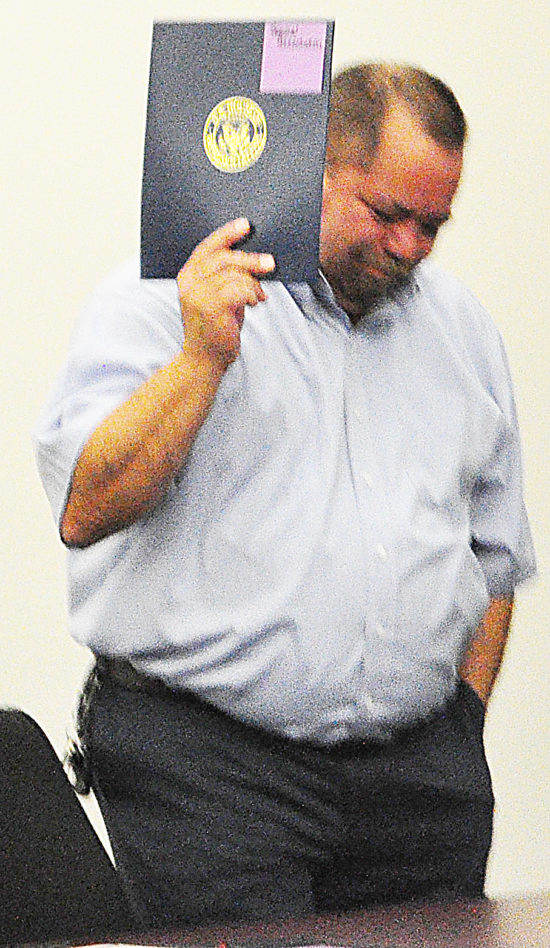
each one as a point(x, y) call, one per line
point(228, 136)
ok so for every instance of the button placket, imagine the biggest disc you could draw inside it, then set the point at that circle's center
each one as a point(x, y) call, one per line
point(360, 448)
point(383, 631)
point(372, 500)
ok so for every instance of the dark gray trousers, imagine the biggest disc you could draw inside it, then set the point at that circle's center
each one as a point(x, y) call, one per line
point(213, 819)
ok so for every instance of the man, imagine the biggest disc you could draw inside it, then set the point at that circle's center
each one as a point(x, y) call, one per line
point(295, 527)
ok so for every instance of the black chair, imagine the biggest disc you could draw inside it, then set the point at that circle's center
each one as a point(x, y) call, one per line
point(56, 880)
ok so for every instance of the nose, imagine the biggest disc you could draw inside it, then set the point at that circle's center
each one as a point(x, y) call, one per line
point(406, 242)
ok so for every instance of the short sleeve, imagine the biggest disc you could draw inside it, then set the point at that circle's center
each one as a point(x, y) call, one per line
point(127, 330)
point(501, 536)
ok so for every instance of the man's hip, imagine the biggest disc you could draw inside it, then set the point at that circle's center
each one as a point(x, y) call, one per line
point(196, 801)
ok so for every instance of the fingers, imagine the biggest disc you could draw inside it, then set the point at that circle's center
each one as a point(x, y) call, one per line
point(254, 264)
point(226, 235)
point(218, 281)
point(238, 289)
point(215, 285)
point(216, 249)
point(257, 263)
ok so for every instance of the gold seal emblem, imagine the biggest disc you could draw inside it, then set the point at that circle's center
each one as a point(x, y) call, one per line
point(235, 134)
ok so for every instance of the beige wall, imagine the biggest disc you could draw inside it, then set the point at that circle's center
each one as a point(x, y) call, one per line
point(74, 103)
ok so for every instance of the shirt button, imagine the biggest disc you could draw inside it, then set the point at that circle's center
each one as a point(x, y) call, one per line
point(339, 732)
point(381, 631)
point(371, 705)
point(368, 480)
point(382, 552)
point(294, 732)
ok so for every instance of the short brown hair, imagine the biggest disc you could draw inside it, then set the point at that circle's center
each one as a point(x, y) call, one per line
point(361, 97)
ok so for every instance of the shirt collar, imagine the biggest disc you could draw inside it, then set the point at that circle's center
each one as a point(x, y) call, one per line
point(318, 295)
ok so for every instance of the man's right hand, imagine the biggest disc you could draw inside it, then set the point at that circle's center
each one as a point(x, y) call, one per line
point(215, 285)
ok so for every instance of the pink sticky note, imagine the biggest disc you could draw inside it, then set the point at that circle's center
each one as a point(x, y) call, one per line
point(293, 56)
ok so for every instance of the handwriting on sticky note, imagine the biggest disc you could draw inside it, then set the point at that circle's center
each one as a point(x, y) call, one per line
point(293, 57)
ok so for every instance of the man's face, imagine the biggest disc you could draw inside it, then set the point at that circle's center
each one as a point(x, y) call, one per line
point(378, 224)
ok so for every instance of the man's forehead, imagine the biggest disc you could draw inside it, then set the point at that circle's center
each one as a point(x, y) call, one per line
point(423, 177)
point(401, 132)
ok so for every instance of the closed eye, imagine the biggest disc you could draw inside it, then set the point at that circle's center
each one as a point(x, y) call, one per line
point(384, 216)
point(387, 217)
point(429, 226)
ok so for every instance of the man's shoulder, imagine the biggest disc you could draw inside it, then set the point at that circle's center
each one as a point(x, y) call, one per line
point(432, 278)
point(122, 302)
point(125, 280)
point(461, 317)
point(453, 301)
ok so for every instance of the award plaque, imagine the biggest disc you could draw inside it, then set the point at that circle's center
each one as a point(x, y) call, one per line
point(236, 127)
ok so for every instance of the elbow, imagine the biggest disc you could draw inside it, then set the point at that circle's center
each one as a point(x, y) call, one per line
point(78, 527)
point(73, 532)
point(75, 526)
point(82, 525)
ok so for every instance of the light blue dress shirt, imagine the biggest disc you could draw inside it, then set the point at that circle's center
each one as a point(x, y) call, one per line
point(320, 562)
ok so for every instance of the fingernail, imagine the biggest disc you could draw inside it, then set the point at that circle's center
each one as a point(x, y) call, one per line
point(266, 260)
point(241, 223)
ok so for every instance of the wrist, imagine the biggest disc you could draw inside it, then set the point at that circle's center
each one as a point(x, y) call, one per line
point(203, 365)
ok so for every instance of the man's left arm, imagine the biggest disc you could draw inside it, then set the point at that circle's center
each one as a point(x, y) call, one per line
point(482, 660)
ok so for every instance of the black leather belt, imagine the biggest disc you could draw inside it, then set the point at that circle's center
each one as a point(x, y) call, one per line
point(121, 672)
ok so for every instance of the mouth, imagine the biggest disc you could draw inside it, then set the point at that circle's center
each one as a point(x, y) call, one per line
point(385, 271)
point(379, 272)
point(387, 274)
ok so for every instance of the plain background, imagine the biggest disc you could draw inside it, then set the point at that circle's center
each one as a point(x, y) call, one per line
point(75, 84)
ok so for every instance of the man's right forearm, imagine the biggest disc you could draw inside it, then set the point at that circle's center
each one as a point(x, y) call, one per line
point(127, 464)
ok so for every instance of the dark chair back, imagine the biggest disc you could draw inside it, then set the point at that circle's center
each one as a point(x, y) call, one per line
point(56, 880)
